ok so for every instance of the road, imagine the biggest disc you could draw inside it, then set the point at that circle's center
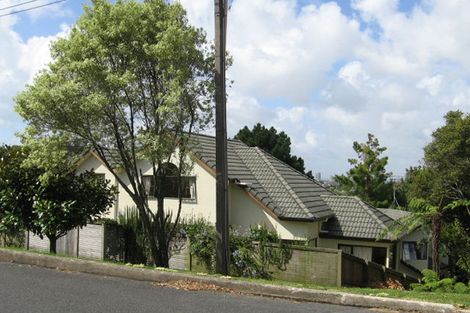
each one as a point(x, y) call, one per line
point(35, 290)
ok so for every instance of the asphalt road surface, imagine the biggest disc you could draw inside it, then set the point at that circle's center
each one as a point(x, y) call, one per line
point(32, 289)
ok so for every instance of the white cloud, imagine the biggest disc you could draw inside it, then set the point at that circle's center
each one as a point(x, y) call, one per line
point(279, 52)
point(353, 73)
point(328, 79)
point(325, 78)
point(338, 115)
point(19, 62)
point(431, 84)
point(311, 138)
point(245, 111)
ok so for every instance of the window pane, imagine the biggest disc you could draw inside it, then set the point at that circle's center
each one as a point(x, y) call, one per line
point(170, 187)
point(188, 187)
point(422, 251)
point(149, 185)
point(409, 251)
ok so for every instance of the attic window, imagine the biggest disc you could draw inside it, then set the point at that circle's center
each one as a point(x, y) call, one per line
point(170, 183)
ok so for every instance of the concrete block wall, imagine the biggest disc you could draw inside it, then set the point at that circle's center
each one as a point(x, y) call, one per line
point(312, 265)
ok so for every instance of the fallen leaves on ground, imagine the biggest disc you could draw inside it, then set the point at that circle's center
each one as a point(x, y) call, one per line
point(189, 285)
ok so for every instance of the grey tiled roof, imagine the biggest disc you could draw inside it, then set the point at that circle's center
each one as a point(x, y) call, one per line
point(395, 214)
point(355, 218)
point(289, 194)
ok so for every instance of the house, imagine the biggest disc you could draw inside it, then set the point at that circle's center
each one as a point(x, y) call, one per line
point(265, 191)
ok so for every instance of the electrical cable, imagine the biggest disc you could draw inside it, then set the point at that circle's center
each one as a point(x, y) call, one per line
point(32, 8)
point(17, 5)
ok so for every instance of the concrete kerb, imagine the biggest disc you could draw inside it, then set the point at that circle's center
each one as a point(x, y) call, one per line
point(299, 294)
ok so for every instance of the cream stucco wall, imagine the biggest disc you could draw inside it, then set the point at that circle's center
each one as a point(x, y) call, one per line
point(332, 243)
point(91, 163)
point(245, 211)
point(203, 206)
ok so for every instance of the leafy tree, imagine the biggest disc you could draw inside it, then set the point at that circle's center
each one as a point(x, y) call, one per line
point(447, 161)
point(17, 187)
point(368, 178)
point(132, 81)
point(439, 192)
point(415, 184)
point(47, 207)
point(277, 144)
point(68, 201)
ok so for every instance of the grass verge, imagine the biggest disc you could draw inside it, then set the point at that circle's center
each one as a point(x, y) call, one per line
point(458, 300)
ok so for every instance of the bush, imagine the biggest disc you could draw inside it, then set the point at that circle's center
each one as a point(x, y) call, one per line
point(253, 254)
point(12, 239)
point(429, 276)
point(256, 253)
point(419, 287)
point(431, 283)
point(461, 288)
point(446, 285)
point(202, 238)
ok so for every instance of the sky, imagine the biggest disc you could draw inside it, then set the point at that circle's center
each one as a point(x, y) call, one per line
point(325, 72)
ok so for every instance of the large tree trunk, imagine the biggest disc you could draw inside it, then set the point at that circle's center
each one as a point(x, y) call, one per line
point(150, 232)
point(436, 241)
point(52, 244)
point(162, 234)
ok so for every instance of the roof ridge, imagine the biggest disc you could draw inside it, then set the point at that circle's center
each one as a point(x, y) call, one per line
point(283, 181)
point(212, 136)
point(299, 172)
point(369, 210)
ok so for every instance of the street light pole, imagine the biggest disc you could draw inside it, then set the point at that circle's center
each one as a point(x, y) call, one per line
point(222, 258)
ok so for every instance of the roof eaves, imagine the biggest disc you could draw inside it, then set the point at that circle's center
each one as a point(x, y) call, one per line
point(385, 240)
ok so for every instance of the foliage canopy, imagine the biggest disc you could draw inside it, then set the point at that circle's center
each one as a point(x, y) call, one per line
point(49, 206)
point(368, 178)
point(131, 81)
point(277, 144)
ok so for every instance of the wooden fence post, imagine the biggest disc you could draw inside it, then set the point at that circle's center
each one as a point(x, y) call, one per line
point(27, 240)
point(78, 242)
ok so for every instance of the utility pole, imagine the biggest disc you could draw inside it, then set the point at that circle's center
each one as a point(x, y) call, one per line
point(221, 225)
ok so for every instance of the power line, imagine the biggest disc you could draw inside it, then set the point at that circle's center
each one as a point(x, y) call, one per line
point(32, 8)
point(17, 5)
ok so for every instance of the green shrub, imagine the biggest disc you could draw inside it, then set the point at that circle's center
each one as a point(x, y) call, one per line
point(429, 276)
point(253, 254)
point(461, 288)
point(419, 287)
point(256, 253)
point(202, 238)
point(446, 285)
point(431, 283)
